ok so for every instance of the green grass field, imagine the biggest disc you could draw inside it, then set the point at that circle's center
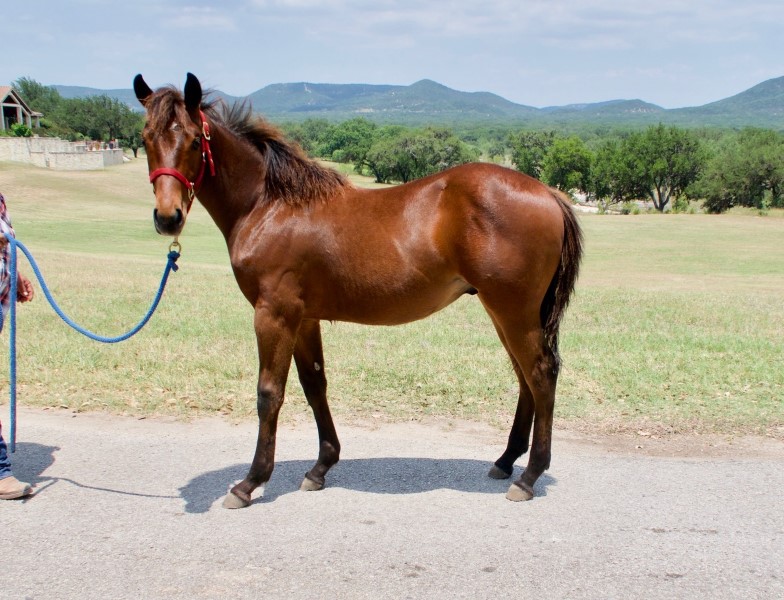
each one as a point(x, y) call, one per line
point(677, 324)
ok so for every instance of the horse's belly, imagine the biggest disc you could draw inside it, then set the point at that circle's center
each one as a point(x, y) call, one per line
point(388, 307)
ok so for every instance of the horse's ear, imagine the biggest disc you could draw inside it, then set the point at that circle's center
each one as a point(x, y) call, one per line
point(192, 93)
point(143, 91)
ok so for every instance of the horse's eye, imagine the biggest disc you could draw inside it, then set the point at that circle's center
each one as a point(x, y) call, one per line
point(196, 145)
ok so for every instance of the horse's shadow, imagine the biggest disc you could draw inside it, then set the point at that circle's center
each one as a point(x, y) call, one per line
point(370, 475)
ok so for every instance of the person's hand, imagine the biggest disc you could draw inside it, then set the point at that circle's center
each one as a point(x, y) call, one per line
point(24, 289)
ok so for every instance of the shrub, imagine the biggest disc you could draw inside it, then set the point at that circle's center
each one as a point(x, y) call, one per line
point(680, 205)
point(21, 130)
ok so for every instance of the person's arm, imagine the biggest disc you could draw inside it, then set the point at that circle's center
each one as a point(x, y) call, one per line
point(24, 288)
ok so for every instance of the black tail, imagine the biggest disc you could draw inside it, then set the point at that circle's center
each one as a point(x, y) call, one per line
point(561, 287)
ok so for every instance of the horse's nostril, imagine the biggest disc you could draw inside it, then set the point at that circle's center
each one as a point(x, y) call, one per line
point(168, 224)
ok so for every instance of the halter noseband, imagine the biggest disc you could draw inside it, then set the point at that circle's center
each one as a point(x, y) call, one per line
point(206, 156)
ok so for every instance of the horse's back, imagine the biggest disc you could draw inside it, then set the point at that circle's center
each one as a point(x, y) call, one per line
point(489, 196)
point(473, 195)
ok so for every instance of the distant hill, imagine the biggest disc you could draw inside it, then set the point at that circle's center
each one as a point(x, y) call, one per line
point(618, 111)
point(762, 105)
point(123, 95)
point(73, 91)
point(423, 101)
point(428, 102)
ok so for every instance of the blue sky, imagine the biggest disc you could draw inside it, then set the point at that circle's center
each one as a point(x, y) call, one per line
point(535, 52)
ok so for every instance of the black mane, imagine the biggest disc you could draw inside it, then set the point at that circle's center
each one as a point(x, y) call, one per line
point(291, 176)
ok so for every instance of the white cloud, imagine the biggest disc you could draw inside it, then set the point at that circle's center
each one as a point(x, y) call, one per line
point(197, 18)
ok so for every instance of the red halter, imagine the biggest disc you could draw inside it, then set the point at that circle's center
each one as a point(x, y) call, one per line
point(206, 156)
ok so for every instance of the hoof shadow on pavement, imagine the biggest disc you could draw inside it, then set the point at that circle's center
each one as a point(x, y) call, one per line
point(368, 475)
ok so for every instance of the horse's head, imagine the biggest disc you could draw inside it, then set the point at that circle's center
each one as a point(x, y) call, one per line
point(176, 140)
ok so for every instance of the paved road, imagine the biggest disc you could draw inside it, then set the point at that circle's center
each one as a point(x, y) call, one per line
point(131, 509)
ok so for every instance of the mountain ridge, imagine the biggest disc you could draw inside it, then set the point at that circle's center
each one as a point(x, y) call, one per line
point(429, 102)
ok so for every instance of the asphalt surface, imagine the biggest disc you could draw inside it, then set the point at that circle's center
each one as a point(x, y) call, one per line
point(130, 508)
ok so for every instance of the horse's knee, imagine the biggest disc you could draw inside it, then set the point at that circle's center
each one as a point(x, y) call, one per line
point(268, 401)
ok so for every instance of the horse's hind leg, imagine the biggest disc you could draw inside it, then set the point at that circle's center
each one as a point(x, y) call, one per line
point(520, 433)
point(539, 366)
point(309, 358)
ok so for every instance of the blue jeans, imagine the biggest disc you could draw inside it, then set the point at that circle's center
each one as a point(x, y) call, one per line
point(5, 464)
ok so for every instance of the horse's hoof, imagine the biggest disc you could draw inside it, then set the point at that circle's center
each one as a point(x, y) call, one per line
point(519, 493)
point(233, 501)
point(497, 472)
point(308, 485)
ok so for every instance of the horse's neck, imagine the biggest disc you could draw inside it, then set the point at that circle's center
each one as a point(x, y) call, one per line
point(230, 194)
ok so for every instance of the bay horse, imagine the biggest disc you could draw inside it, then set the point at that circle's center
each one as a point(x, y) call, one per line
point(306, 245)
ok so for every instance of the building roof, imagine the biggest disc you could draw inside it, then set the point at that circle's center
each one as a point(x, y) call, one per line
point(9, 95)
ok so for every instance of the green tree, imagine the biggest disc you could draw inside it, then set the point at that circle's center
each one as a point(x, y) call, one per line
point(567, 165)
point(39, 97)
point(350, 141)
point(385, 152)
point(747, 170)
point(312, 134)
point(610, 180)
point(46, 100)
point(388, 159)
point(98, 117)
point(409, 154)
point(529, 149)
point(132, 124)
point(661, 163)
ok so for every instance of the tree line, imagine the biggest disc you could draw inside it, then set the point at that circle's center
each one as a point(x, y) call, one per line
point(665, 166)
point(390, 153)
point(98, 118)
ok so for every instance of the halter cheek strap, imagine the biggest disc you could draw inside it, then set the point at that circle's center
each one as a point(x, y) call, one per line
point(206, 157)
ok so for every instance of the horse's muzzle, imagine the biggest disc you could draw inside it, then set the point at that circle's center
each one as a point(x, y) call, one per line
point(168, 225)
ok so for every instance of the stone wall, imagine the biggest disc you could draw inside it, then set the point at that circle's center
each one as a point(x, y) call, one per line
point(54, 153)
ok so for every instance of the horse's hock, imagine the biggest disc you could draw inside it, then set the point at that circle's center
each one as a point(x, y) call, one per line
point(61, 155)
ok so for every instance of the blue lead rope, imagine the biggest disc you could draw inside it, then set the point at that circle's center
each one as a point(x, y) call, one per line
point(171, 265)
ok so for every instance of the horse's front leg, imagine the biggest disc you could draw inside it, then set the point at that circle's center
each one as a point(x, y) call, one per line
point(276, 332)
point(309, 358)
